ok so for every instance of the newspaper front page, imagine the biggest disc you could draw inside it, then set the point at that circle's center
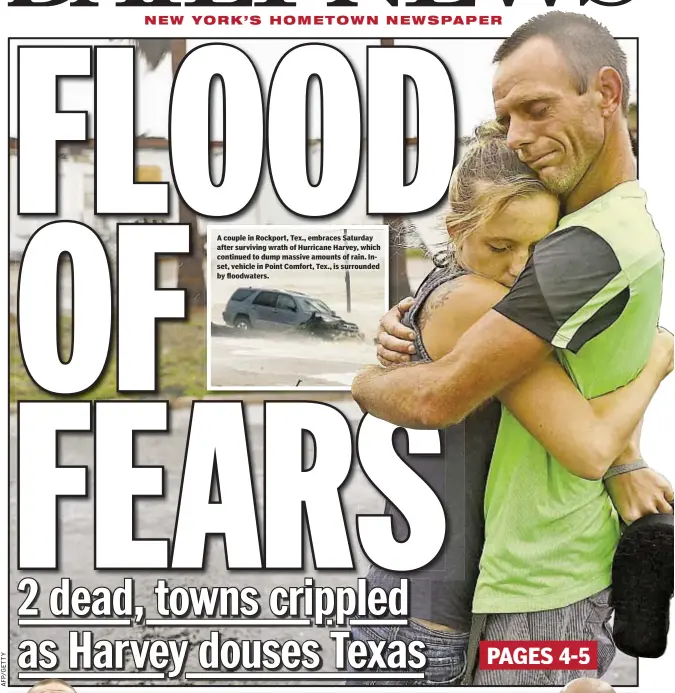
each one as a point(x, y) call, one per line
point(332, 347)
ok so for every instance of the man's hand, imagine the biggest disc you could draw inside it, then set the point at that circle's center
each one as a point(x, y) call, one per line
point(640, 493)
point(395, 339)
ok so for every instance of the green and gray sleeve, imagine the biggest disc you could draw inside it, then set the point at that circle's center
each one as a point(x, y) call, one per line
point(571, 290)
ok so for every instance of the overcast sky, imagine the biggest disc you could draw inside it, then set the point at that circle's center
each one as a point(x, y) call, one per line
point(469, 62)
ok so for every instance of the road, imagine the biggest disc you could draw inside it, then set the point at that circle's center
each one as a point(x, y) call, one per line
point(156, 518)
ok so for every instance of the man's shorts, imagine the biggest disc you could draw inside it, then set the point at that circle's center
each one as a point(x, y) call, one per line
point(584, 620)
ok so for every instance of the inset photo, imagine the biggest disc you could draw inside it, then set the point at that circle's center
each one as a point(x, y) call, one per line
point(293, 307)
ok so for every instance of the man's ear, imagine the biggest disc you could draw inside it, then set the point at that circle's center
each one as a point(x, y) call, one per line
point(610, 85)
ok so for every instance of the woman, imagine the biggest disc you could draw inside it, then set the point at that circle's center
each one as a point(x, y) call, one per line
point(498, 211)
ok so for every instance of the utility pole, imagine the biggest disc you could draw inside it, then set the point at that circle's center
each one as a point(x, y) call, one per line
point(348, 281)
point(399, 284)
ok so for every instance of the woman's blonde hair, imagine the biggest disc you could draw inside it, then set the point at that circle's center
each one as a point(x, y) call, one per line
point(488, 177)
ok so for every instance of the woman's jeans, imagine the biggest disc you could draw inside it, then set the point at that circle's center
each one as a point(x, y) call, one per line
point(445, 654)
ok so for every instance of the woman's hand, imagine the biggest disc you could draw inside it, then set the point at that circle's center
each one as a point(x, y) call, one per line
point(394, 340)
point(644, 491)
point(640, 493)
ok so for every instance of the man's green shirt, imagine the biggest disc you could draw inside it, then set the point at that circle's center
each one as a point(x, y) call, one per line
point(593, 290)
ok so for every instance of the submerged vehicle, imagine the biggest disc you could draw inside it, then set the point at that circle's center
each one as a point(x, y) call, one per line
point(286, 311)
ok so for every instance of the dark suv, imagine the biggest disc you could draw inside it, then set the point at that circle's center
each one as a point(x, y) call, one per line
point(272, 310)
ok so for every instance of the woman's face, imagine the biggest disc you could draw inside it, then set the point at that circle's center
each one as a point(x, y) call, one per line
point(500, 248)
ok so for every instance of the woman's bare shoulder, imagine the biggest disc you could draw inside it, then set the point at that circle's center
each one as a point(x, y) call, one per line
point(453, 308)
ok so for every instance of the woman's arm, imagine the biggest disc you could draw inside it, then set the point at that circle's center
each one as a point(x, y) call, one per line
point(584, 436)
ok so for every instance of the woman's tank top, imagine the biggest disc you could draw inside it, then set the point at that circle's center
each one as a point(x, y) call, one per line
point(442, 592)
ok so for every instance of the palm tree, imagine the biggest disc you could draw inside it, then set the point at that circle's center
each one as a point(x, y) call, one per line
point(190, 267)
point(399, 285)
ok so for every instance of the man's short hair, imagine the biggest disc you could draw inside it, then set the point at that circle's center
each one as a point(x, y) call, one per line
point(586, 44)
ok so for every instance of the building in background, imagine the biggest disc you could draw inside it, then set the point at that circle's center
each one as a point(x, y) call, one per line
point(76, 203)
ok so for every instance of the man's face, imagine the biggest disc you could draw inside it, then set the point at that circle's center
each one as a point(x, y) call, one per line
point(555, 130)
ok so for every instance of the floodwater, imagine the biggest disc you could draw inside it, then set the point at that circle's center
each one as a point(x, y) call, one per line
point(245, 360)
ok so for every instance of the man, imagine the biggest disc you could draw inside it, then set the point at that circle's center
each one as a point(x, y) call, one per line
point(592, 291)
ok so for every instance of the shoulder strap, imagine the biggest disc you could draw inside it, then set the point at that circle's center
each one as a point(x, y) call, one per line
point(437, 277)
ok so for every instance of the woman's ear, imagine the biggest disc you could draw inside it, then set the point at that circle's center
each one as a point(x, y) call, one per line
point(453, 235)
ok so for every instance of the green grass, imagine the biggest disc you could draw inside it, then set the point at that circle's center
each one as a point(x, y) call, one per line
point(416, 253)
point(182, 365)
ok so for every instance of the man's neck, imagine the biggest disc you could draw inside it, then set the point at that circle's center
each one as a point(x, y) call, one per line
point(614, 165)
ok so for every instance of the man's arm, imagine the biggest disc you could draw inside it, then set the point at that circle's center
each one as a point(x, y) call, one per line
point(570, 291)
point(494, 353)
